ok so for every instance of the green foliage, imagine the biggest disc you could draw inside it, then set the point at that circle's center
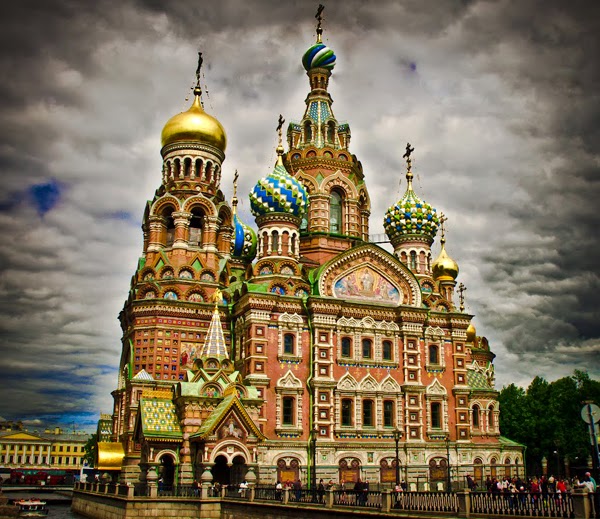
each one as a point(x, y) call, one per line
point(546, 418)
point(91, 450)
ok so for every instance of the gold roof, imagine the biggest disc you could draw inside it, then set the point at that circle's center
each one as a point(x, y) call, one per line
point(194, 125)
point(444, 267)
point(110, 455)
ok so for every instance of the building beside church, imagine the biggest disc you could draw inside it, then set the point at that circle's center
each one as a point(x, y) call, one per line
point(259, 352)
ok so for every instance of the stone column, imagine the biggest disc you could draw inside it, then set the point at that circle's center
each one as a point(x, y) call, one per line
point(206, 480)
point(182, 224)
point(581, 503)
point(464, 503)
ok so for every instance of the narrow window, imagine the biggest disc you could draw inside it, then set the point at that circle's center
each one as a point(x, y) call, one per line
point(434, 354)
point(335, 212)
point(196, 222)
point(275, 247)
point(413, 260)
point(346, 347)
point(436, 415)
point(307, 132)
point(331, 132)
point(288, 410)
point(387, 350)
point(347, 412)
point(476, 412)
point(388, 413)
point(288, 344)
point(491, 416)
point(367, 348)
point(368, 413)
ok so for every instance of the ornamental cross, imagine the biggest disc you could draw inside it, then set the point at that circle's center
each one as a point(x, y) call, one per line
point(319, 18)
point(235, 179)
point(280, 123)
point(461, 296)
point(200, 61)
point(409, 150)
point(442, 221)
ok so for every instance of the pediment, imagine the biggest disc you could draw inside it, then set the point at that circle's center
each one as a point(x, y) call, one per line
point(436, 388)
point(289, 381)
point(23, 436)
point(347, 382)
point(369, 273)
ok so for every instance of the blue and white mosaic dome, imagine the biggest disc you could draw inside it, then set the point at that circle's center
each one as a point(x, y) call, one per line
point(243, 244)
point(278, 192)
point(411, 216)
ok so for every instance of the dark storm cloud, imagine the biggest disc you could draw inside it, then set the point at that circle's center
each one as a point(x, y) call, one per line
point(500, 100)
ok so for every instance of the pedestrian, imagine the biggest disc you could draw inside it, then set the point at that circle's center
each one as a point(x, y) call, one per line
point(321, 491)
point(278, 491)
point(243, 488)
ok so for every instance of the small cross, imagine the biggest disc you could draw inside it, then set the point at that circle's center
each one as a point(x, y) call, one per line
point(280, 123)
point(200, 61)
point(319, 18)
point(409, 150)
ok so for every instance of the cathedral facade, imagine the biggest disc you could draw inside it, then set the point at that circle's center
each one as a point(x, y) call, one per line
point(296, 348)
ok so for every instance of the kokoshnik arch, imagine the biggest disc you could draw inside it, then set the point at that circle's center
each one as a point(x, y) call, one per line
point(244, 350)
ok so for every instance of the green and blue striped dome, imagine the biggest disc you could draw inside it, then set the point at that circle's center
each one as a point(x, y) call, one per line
point(278, 192)
point(318, 56)
point(243, 244)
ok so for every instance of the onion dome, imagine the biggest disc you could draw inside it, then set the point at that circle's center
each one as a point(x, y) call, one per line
point(194, 125)
point(444, 267)
point(243, 244)
point(471, 333)
point(409, 217)
point(318, 56)
point(279, 192)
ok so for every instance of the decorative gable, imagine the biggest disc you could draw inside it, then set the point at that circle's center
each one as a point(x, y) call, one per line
point(369, 273)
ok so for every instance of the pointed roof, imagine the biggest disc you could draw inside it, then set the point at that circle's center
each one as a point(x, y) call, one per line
point(214, 345)
point(218, 415)
point(143, 375)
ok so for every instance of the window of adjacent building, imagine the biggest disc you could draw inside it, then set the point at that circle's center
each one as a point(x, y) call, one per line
point(346, 347)
point(388, 413)
point(367, 348)
point(476, 416)
point(347, 414)
point(434, 354)
point(387, 350)
point(288, 344)
point(335, 212)
point(288, 410)
point(368, 420)
point(436, 415)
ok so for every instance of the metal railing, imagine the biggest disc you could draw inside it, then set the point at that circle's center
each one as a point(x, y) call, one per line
point(523, 503)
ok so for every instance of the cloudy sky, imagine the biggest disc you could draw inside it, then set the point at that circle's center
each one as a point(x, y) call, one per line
point(500, 100)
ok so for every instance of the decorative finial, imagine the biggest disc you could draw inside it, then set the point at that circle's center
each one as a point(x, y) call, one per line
point(234, 200)
point(461, 290)
point(279, 148)
point(442, 221)
point(409, 175)
point(217, 297)
point(319, 18)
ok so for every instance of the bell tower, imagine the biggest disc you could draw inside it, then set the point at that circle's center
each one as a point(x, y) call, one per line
point(319, 156)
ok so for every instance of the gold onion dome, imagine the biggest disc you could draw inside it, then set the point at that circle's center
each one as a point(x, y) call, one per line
point(471, 333)
point(444, 267)
point(194, 125)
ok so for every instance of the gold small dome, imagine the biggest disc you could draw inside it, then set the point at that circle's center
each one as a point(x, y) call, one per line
point(194, 125)
point(444, 267)
point(471, 333)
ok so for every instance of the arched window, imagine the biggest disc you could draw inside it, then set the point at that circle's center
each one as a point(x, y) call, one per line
point(275, 241)
point(367, 348)
point(491, 415)
point(436, 415)
point(346, 347)
point(434, 355)
point(388, 413)
point(386, 350)
point(288, 344)
point(335, 212)
point(307, 132)
point(476, 416)
point(331, 132)
point(347, 412)
point(170, 228)
point(196, 222)
point(413, 260)
point(287, 410)
point(367, 413)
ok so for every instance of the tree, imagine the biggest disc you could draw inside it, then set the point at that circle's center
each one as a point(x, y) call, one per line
point(91, 450)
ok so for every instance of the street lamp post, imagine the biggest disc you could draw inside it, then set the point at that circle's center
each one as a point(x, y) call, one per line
point(397, 436)
point(449, 481)
point(313, 473)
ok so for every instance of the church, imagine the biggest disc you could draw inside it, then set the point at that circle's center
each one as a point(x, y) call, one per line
point(292, 347)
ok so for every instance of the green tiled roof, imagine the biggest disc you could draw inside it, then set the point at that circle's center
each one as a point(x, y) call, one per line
point(159, 418)
point(510, 443)
point(477, 380)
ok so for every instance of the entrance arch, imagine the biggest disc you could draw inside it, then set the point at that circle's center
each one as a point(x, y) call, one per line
point(167, 471)
point(349, 470)
point(238, 470)
point(220, 470)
